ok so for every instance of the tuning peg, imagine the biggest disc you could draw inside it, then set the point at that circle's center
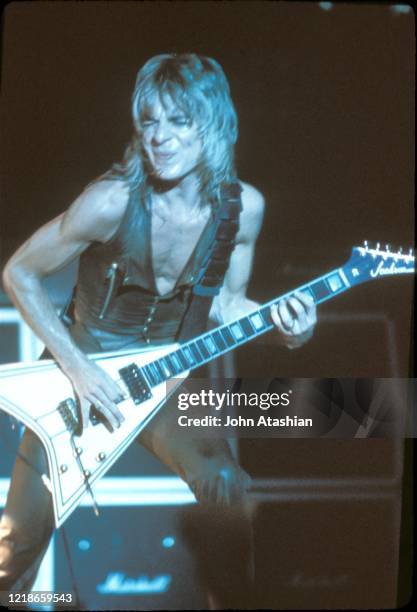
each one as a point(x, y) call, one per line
point(386, 253)
point(410, 253)
point(377, 246)
point(365, 244)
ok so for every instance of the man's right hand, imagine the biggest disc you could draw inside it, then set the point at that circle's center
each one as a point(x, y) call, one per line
point(94, 387)
point(93, 217)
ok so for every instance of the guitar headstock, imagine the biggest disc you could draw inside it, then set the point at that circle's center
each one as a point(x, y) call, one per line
point(368, 263)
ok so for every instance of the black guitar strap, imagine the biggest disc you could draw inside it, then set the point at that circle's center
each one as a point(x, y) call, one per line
point(215, 262)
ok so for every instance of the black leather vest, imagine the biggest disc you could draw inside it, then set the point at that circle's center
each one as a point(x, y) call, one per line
point(116, 289)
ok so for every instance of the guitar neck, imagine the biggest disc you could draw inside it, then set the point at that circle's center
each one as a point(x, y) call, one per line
point(212, 344)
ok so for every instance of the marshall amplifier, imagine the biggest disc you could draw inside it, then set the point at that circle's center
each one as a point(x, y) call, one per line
point(131, 558)
point(328, 552)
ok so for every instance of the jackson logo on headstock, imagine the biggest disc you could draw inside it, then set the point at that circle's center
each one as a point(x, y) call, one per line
point(382, 269)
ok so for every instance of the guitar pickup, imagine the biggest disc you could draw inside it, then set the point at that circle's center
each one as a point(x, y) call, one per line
point(136, 383)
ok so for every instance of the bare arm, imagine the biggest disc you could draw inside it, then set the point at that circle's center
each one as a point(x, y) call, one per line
point(294, 318)
point(92, 217)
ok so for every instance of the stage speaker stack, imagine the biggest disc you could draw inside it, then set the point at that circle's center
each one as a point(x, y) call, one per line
point(333, 526)
point(131, 558)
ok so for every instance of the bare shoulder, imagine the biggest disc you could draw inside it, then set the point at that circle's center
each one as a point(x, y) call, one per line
point(97, 212)
point(251, 218)
point(252, 199)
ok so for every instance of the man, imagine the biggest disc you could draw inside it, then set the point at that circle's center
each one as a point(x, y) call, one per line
point(140, 232)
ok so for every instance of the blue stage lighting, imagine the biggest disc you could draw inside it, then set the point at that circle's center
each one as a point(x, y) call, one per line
point(168, 542)
point(84, 544)
point(401, 9)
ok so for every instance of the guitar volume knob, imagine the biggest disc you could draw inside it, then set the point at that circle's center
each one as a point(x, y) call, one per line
point(100, 457)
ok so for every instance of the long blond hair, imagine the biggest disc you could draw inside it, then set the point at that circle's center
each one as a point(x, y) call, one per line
point(198, 86)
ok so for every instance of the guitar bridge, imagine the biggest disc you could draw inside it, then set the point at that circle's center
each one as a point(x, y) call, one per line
point(69, 413)
point(136, 383)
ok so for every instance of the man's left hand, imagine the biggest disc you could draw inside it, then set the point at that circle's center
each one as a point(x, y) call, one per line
point(295, 318)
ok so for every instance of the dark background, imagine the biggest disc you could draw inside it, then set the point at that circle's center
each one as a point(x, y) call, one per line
point(326, 106)
point(325, 100)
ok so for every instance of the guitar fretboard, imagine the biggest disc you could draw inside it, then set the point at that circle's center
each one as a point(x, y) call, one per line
point(219, 341)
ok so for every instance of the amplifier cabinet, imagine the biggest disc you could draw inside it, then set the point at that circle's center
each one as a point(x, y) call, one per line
point(130, 558)
point(328, 553)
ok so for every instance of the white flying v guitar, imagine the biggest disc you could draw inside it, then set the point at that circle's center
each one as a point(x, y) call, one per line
point(41, 397)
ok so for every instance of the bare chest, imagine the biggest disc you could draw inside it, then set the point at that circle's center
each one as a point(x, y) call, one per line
point(172, 244)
